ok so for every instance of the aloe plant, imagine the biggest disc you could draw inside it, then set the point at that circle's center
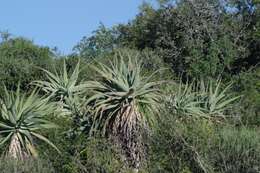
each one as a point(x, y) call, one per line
point(120, 97)
point(184, 101)
point(215, 99)
point(21, 118)
point(204, 99)
point(61, 85)
point(63, 88)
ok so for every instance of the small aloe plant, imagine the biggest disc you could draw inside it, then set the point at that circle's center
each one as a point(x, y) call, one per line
point(63, 88)
point(215, 100)
point(184, 101)
point(204, 99)
point(61, 85)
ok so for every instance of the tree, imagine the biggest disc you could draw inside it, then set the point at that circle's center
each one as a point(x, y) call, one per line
point(5, 35)
point(103, 40)
point(18, 60)
point(196, 38)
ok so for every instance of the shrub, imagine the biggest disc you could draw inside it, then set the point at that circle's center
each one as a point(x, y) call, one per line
point(100, 155)
point(236, 150)
point(18, 59)
point(248, 84)
point(198, 145)
point(176, 145)
point(28, 166)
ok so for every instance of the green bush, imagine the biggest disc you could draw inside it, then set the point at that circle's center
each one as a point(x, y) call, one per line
point(100, 156)
point(236, 150)
point(175, 146)
point(186, 144)
point(80, 153)
point(27, 166)
point(248, 84)
point(18, 60)
point(92, 155)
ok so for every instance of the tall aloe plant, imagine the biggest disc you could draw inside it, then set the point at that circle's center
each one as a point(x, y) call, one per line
point(21, 118)
point(120, 97)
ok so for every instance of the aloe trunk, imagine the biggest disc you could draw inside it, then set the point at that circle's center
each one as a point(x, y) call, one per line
point(127, 133)
point(15, 151)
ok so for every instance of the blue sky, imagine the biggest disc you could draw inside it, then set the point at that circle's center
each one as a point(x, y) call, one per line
point(62, 23)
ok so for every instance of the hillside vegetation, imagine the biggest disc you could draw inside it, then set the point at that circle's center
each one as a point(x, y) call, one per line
point(175, 90)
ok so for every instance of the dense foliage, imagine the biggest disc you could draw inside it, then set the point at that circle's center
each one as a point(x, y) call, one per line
point(176, 89)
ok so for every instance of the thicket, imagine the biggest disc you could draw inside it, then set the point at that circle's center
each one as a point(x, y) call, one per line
point(176, 89)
